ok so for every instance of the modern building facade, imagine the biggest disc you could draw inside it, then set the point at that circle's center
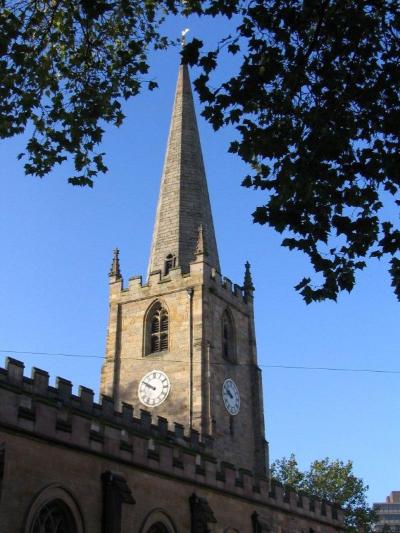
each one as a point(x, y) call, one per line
point(176, 443)
point(388, 514)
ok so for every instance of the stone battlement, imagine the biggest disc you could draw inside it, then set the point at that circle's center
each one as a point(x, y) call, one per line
point(37, 398)
point(158, 283)
point(31, 405)
point(231, 288)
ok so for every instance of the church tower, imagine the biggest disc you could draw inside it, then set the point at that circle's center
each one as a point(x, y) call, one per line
point(182, 345)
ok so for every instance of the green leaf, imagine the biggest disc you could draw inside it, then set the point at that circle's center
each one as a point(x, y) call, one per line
point(191, 51)
point(233, 48)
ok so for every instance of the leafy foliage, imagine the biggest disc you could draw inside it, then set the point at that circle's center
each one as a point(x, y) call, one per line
point(315, 103)
point(316, 107)
point(333, 481)
point(66, 65)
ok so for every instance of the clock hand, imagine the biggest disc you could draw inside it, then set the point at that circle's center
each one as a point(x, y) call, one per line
point(148, 385)
point(229, 392)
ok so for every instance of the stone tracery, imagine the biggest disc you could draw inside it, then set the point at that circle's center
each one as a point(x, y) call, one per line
point(54, 517)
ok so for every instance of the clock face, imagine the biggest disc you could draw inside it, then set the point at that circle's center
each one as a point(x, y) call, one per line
point(231, 396)
point(154, 388)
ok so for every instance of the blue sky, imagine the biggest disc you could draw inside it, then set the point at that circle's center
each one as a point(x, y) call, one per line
point(57, 243)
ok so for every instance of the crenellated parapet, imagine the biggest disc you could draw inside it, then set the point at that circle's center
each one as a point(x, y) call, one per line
point(36, 400)
point(53, 413)
point(232, 291)
point(199, 273)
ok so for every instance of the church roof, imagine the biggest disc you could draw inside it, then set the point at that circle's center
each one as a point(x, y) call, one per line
point(183, 204)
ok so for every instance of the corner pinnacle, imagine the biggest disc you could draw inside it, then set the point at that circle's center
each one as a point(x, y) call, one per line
point(115, 269)
point(200, 246)
point(248, 286)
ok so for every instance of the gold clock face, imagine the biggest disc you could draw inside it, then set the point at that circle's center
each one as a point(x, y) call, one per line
point(231, 396)
point(154, 388)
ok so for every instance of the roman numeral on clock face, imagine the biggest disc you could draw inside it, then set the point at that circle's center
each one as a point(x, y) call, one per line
point(231, 396)
point(154, 388)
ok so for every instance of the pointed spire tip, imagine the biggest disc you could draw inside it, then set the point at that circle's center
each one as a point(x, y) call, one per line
point(183, 203)
point(115, 268)
point(248, 286)
point(200, 246)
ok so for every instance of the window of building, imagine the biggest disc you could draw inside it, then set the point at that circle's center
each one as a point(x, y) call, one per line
point(159, 527)
point(54, 517)
point(170, 262)
point(158, 521)
point(231, 426)
point(228, 337)
point(2, 464)
point(157, 329)
point(54, 510)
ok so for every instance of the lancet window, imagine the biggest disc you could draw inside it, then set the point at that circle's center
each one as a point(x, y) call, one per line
point(170, 262)
point(231, 426)
point(228, 337)
point(158, 329)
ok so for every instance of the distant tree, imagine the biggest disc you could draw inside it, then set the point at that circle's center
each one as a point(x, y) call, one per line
point(330, 480)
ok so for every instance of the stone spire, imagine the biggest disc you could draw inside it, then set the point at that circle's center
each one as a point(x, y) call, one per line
point(183, 204)
point(115, 271)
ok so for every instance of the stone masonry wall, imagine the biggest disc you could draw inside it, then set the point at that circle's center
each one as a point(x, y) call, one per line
point(238, 439)
point(129, 330)
point(54, 439)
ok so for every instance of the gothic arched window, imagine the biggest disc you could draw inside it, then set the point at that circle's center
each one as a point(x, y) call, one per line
point(228, 337)
point(158, 521)
point(158, 527)
point(170, 262)
point(54, 517)
point(157, 329)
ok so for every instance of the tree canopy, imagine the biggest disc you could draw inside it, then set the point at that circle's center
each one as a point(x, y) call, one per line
point(333, 481)
point(315, 103)
point(65, 66)
point(316, 106)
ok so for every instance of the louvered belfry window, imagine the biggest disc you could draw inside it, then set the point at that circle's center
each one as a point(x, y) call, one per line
point(228, 337)
point(170, 262)
point(225, 340)
point(158, 330)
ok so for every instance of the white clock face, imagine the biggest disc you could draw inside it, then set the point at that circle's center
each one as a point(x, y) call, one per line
point(231, 396)
point(154, 388)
